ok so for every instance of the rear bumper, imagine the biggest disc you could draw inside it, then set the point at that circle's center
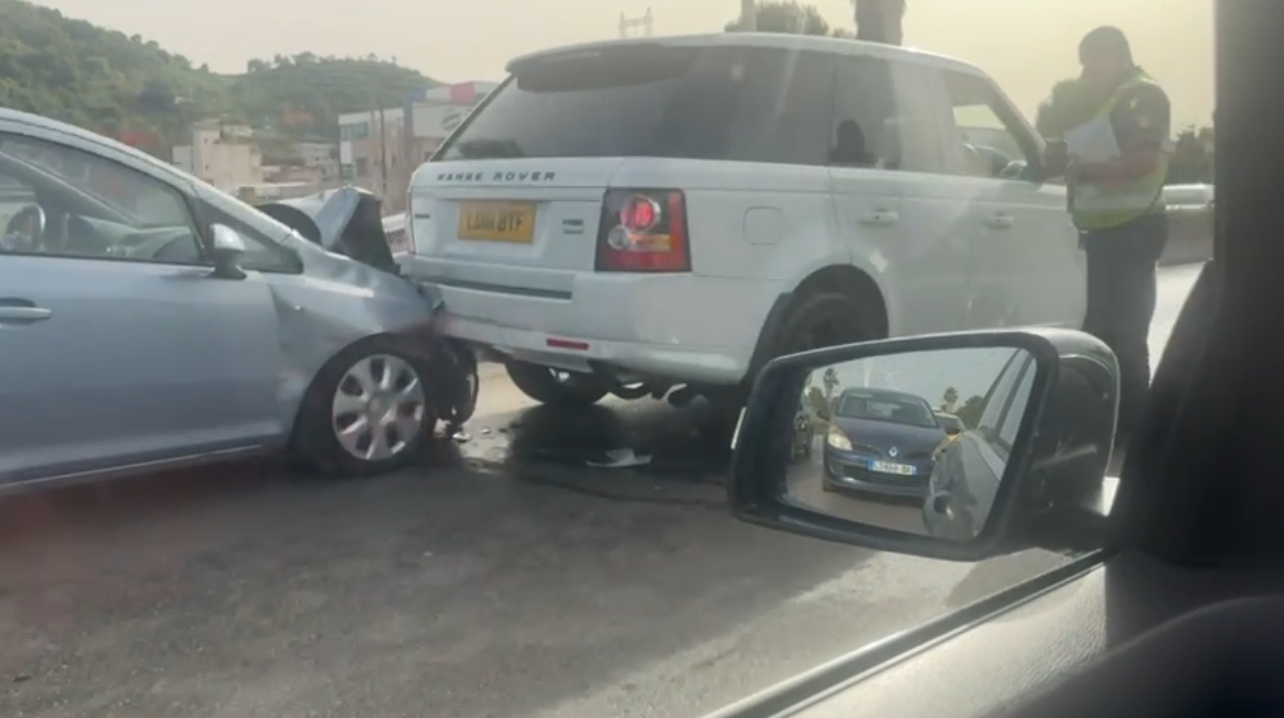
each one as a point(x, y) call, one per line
point(629, 361)
point(678, 327)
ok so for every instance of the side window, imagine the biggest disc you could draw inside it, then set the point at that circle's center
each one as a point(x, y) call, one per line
point(806, 112)
point(990, 135)
point(1016, 408)
point(923, 126)
point(259, 253)
point(782, 107)
point(17, 215)
point(864, 132)
point(887, 116)
point(85, 205)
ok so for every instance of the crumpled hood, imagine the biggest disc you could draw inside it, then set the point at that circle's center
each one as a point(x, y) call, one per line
point(346, 220)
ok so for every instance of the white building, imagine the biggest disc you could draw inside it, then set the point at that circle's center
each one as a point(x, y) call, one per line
point(225, 159)
point(315, 154)
point(378, 140)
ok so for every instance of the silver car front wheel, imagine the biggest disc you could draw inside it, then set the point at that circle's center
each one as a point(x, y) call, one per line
point(368, 410)
point(378, 408)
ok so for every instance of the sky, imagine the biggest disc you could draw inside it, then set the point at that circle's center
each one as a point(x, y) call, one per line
point(926, 374)
point(1026, 45)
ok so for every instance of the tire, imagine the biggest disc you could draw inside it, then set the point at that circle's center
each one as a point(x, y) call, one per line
point(455, 366)
point(334, 403)
point(825, 319)
point(843, 320)
point(545, 386)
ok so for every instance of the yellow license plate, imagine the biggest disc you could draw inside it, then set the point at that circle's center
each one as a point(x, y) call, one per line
point(497, 221)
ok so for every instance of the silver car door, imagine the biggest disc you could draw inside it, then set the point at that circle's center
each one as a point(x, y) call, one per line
point(118, 348)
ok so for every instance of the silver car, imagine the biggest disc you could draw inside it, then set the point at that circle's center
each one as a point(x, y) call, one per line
point(149, 321)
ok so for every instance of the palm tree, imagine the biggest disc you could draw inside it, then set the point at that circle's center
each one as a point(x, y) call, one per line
point(949, 399)
point(830, 380)
point(880, 20)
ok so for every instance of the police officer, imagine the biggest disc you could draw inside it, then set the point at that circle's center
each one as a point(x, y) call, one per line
point(1118, 206)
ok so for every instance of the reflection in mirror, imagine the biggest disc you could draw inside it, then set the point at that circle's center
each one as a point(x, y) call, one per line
point(915, 442)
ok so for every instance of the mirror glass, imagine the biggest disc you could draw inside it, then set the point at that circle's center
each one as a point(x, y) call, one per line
point(916, 442)
point(227, 238)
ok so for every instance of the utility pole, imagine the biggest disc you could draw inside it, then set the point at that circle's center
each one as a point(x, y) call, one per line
point(644, 23)
point(383, 155)
point(748, 15)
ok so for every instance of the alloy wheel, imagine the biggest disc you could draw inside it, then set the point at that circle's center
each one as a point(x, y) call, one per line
point(378, 408)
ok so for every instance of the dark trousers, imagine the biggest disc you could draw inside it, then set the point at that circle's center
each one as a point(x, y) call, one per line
point(1121, 301)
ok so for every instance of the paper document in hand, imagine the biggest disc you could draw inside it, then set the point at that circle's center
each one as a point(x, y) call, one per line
point(1093, 142)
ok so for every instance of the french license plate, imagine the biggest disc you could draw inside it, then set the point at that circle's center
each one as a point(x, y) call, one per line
point(497, 221)
point(889, 467)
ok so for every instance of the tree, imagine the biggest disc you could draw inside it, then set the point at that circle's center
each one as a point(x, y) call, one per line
point(108, 82)
point(880, 21)
point(948, 399)
point(970, 412)
point(830, 380)
point(1068, 105)
point(816, 400)
point(156, 96)
point(1193, 157)
point(786, 16)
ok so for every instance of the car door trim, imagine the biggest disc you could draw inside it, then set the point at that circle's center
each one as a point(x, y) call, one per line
point(139, 468)
point(807, 689)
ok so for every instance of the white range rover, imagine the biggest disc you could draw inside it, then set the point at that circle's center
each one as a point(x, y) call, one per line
point(636, 216)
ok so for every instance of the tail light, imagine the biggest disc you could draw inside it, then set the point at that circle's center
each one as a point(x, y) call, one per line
point(643, 231)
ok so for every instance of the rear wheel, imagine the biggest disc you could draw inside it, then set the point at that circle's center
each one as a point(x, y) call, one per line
point(826, 319)
point(817, 320)
point(556, 387)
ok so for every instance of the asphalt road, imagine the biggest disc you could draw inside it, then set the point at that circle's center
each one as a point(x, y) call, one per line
point(506, 578)
point(806, 486)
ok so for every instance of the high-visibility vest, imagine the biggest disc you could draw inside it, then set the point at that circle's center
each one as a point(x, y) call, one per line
point(1102, 205)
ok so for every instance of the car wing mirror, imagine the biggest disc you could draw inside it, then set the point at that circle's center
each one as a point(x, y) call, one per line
point(1038, 408)
point(227, 248)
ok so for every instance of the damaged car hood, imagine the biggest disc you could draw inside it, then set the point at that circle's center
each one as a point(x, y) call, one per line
point(346, 220)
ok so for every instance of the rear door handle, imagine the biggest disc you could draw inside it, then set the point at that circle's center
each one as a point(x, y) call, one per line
point(880, 218)
point(22, 311)
point(1000, 220)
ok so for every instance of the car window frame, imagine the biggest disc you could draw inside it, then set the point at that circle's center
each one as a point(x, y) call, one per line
point(998, 391)
point(1004, 110)
point(184, 190)
point(1027, 371)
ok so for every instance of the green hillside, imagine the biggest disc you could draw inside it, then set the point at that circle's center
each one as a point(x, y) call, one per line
point(111, 82)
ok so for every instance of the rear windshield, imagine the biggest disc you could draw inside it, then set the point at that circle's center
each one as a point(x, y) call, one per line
point(747, 104)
